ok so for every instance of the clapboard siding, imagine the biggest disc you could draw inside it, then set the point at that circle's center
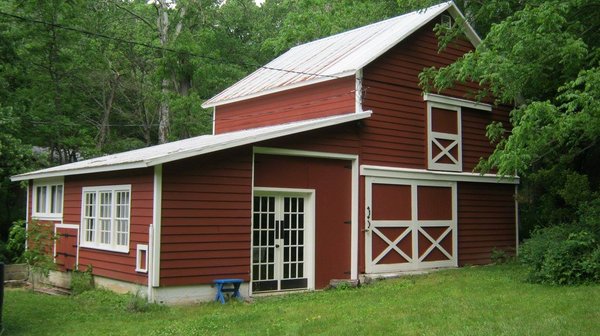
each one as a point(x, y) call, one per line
point(486, 220)
point(319, 100)
point(120, 266)
point(206, 208)
point(395, 135)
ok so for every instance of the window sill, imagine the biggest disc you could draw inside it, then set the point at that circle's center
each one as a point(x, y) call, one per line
point(109, 249)
point(41, 216)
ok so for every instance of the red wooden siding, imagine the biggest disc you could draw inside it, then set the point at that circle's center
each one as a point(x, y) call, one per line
point(396, 133)
point(486, 220)
point(331, 180)
point(206, 218)
point(475, 143)
point(319, 100)
point(120, 266)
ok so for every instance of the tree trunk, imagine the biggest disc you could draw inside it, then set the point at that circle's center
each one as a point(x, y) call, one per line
point(105, 124)
point(163, 109)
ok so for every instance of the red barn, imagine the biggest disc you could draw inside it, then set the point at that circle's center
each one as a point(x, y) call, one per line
point(328, 163)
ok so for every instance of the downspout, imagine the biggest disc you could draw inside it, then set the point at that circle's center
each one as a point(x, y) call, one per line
point(27, 211)
point(516, 219)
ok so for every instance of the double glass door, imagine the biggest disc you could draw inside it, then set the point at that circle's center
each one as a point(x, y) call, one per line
point(278, 243)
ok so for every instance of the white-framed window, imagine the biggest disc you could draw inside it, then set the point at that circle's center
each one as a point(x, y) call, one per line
point(47, 201)
point(444, 130)
point(105, 217)
point(141, 260)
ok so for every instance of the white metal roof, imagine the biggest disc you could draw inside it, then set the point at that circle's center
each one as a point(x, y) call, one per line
point(177, 150)
point(333, 57)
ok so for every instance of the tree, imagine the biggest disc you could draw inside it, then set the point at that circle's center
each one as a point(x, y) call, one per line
point(542, 59)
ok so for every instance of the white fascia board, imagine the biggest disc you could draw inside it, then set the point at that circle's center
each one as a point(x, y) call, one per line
point(391, 43)
point(422, 174)
point(260, 137)
point(324, 78)
point(467, 29)
point(78, 171)
point(436, 98)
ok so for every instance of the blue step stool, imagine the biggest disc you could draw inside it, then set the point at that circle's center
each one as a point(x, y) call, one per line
point(222, 289)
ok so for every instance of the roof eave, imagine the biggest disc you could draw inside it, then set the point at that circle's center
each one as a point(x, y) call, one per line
point(79, 171)
point(336, 120)
point(262, 137)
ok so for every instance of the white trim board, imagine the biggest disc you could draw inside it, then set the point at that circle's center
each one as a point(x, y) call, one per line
point(154, 262)
point(422, 174)
point(447, 100)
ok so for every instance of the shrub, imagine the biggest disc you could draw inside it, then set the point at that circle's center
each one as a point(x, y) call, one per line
point(13, 249)
point(82, 281)
point(562, 255)
point(500, 256)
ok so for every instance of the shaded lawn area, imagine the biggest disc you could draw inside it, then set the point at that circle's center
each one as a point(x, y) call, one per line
point(491, 300)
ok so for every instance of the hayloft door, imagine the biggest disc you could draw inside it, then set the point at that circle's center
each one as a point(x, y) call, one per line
point(409, 224)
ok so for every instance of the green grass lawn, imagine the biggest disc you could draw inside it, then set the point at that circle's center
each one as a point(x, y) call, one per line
point(491, 300)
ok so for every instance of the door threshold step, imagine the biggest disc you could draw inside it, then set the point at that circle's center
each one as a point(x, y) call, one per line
point(373, 277)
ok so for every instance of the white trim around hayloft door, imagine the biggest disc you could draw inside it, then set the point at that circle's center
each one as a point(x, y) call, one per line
point(354, 192)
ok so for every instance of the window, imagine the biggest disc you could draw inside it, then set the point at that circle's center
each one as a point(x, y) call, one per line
point(141, 261)
point(444, 130)
point(48, 199)
point(446, 21)
point(105, 217)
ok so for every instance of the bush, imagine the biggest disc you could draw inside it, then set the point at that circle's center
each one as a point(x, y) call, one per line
point(82, 281)
point(12, 250)
point(562, 255)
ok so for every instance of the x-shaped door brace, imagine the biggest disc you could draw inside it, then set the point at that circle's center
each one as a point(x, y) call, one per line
point(435, 243)
point(445, 150)
point(392, 245)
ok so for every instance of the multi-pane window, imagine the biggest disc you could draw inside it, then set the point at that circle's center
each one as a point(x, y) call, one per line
point(106, 216)
point(48, 200)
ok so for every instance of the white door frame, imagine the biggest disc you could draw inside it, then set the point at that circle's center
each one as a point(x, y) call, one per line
point(413, 225)
point(309, 226)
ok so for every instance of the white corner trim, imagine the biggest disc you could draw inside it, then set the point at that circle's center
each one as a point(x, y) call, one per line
point(156, 219)
point(516, 220)
point(422, 174)
point(431, 97)
point(358, 91)
point(214, 120)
